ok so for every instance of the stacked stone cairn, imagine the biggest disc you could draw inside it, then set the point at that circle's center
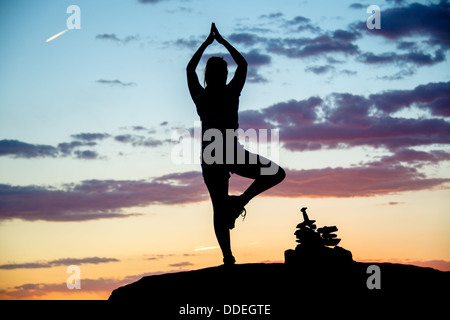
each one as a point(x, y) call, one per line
point(316, 246)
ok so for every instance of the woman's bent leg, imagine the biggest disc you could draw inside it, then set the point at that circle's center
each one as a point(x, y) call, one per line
point(262, 182)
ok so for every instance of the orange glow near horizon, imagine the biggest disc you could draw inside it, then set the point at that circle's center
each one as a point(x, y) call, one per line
point(168, 246)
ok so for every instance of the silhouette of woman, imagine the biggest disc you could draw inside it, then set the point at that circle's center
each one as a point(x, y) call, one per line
point(217, 105)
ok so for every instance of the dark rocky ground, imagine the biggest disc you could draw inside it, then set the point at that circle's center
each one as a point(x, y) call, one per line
point(290, 291)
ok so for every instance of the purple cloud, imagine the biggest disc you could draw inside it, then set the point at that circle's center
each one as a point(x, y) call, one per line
point(432, 96)
point(246, 38)
point(96, 199)
point(20, 149)
point(364, 181)
point(307, 47)
point(431, 20)
point(102, 199)
point(348, 120)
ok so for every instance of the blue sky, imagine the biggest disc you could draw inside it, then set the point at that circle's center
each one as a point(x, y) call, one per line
point(122, 77)
point(55, 90)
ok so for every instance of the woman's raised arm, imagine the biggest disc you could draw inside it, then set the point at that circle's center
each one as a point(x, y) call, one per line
point(241, 71)
point(193, 83)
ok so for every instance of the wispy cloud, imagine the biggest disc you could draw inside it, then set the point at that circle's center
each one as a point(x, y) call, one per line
point(392, 203)
point(418, 58)
point(114, 38)
point(319, 69)
point(19, 149)
point(339, 41)
point(90, 136)
point(116, 82)
point(137, 140)
point(181, 264)
point(256, 60)
point(358, 6)
point(163, 256)
point(300, 23)
point(83, 146)
point(151, 1)
point(100, 285)
point(86, 154)
point(56, 263)
point(245, 38)
point(306, 40)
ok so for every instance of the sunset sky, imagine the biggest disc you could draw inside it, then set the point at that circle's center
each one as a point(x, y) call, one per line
point(87, 174)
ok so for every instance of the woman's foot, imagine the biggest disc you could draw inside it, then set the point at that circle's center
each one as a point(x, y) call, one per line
point(229, 261)
point(236, 209)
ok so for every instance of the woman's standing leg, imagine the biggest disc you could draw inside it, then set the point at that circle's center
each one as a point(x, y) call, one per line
point(216, 178)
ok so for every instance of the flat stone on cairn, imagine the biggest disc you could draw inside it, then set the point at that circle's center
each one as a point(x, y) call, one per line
point(328, 238)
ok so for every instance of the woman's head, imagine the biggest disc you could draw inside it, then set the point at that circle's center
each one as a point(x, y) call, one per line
point(216, 72)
